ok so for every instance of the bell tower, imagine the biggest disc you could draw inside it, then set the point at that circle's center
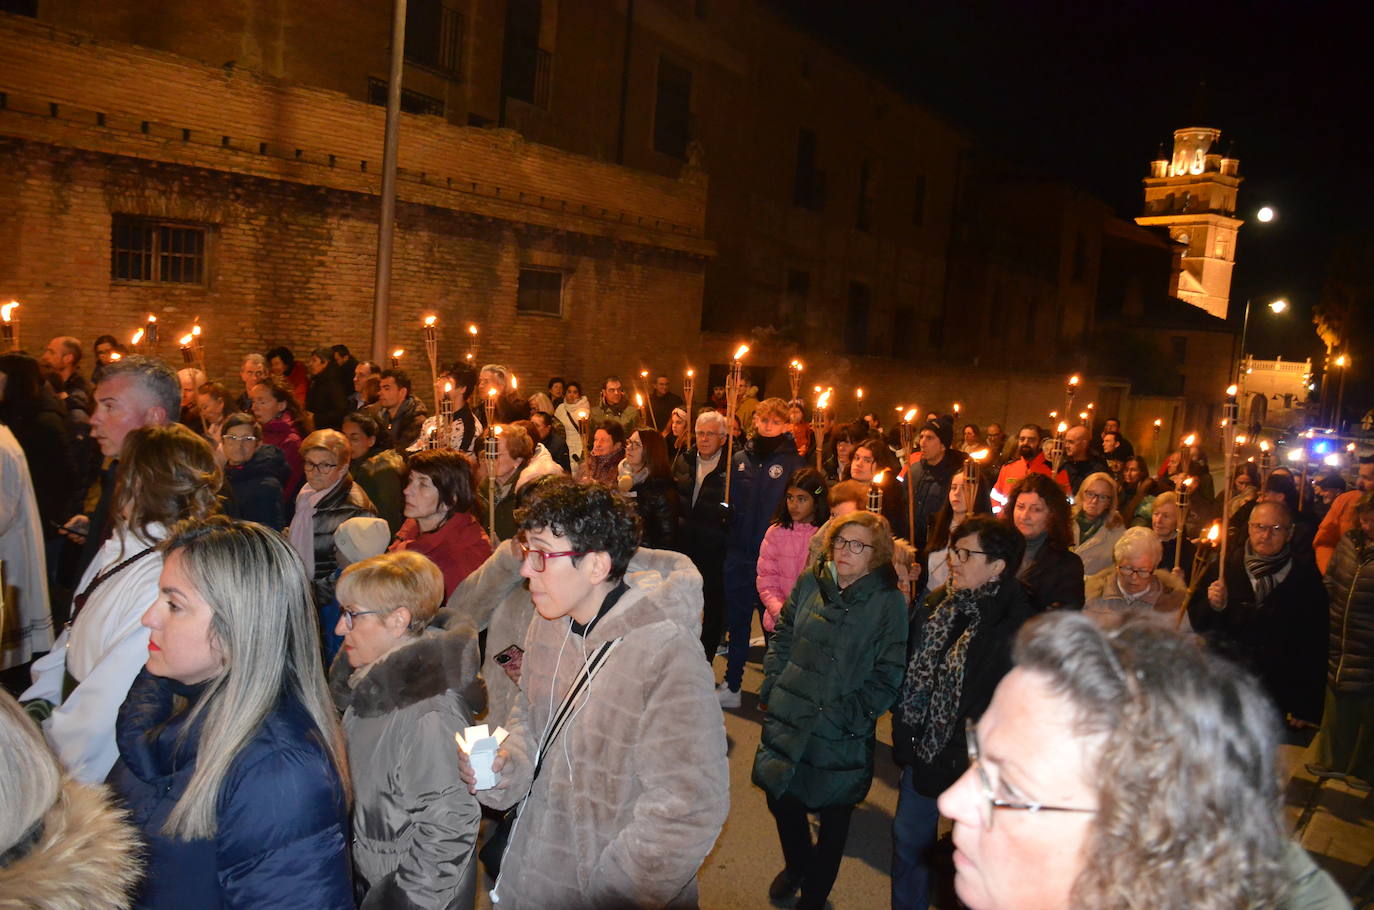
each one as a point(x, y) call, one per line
point(1193, 195)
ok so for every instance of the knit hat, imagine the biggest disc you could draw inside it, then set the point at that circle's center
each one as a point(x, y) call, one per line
point(362, 537)
point(943, 430)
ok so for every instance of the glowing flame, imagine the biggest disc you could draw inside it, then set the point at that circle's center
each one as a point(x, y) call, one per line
point(186, 340)
point(978, 455)
point(136, 337)
point(1242, 439)
point(115, 355)
point(859, 393)
point(429, 321)
point(497, 430)
point(448, 387)
point(1053, 414)
point(1332, 460)
point(740, 352)
point(151, 318)
point(1231, 390)
point(582, 414)
point(1062, 427)
point(472, 330)
point(1214, 532)
point(514, 382)
point(492, 393)
point(195, 330)
point(956, 409)
point(1158, 423)
point(7, 309)
point(796, 365)
point(691, 372)
point(1082, 415)
point(1073, 380)
point(1091, 406)
point(639, 400)
point(1350, 448)
point(643, 374)
point(880, 476)
point(1295, 455)
point(1264, 445)
point(1190, 439)
point(1188, 482)
point(909, 416)
point(824, 401)
point(398, 353)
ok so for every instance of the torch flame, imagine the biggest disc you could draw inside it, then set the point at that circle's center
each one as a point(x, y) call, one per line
point(859, 393)
point(978, 455)
point(1264, 445)
point(1082, 415)
point(448, 387)
point(797, 365)
point(740, 352)
point(817, 388)
point(136, 337)
point(639, 400)
point(1190, 439)
point(691, 372)
point(398, 353)
point(195, 330)
point(643, 374)
point(1231, 390)
point(497, 429)
point(429, 321)
point(152, 318)
point(1350, 448)
point(1063, 427)
point(186, 340)
point(115, 355)
point(909, 416)
point(880, 476)
point(1053, 414)
point(1214, 532)
point(514, 382)
point(824, 401)
point(1073, 380)
point(7, 309)
point(582, 414)
point(492, 392)
point(1242, 439)
point(956, 408)
point(1187, 482)
point(1158, 423)
point(472, 329)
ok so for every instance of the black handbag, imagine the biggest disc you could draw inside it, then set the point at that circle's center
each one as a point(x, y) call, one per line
point(494, 850)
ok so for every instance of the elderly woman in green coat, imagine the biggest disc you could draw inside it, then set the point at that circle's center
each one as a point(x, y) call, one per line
point(834, 666)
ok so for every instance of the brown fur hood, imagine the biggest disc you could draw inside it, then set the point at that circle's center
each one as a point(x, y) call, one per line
point(87, 857)
point(1100, 584)
point(444, 658)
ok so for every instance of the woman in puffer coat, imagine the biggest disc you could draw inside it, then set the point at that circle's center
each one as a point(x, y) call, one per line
point(787, 542)
point(833, 667)
point(1345, 745)
point(328, 499)
point(407, 682)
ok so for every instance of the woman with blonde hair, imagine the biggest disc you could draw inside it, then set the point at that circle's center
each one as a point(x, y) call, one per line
point(1096, 525)
point(408, 683)
point(328, 499)
point(833, 667)
point(519, 460)
point(48, 820)
point(231, 758)
point(165, 474)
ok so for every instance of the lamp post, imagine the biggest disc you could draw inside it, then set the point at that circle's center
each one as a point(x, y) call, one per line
point(1343, 362)
point(1276, 306)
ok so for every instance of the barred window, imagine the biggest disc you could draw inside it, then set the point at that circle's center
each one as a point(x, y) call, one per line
point(147, 250)
point(540, 291)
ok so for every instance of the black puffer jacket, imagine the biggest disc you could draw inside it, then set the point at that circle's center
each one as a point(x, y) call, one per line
point(657, 502)
point(1350, 582)
point(345, 501)
point(987, 661)
point(702, 535)
point(258, 485)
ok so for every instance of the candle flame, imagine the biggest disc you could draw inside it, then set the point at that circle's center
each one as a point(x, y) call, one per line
point(7, 309)
point(1073, 380)
point(152, 318)
point(398, 353)
point(1214, 532)
point(956, 408)
point(978, 455)
point(909, 416)
point(880, 476)
point(186, 340)
point(740, 352)
point(429, 321)
point(1231, 390)
point(136, 337)
point(1190, 439)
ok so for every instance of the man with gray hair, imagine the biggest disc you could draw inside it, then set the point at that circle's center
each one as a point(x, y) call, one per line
point(134, 392)
point(61, 361)
point(253, 371)
point(700, 476)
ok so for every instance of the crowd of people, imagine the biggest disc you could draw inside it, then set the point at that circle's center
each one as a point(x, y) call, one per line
point(244, 619)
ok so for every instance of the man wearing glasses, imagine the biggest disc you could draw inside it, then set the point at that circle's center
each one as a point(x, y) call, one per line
point(1269, 611)
point(633, 787)
point(700, 477)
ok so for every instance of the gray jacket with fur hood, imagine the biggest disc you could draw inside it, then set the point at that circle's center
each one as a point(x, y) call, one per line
point(85, 858)
point(414, 822)
point(634, 792)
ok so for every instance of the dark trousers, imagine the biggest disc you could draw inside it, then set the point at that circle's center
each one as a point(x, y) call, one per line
point(816, 865)
point(914, 829)
point(712, 569)
point(741, 603)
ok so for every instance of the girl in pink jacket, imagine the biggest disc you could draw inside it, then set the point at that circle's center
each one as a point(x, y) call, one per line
point(785, 546)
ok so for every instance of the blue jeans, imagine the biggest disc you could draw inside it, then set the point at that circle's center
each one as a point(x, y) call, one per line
point(741, 602)
point(915, 827)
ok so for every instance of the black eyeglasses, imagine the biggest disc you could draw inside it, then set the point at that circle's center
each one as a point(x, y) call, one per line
point(962, 554)
point(320, 467)
point(350, 615)
point(227, 438)
point(853, 546)
point(991, 802)
point(1134, 572)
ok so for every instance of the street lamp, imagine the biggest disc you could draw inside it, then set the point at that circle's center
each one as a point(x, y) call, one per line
point(1276, 307)
point(1342, 361)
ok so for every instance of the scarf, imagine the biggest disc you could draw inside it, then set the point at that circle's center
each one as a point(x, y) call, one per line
point(1033, 547)
point(602, 468)
point(1087, 527)
point(301, 534)
point(1263, 569)
point(935, 674)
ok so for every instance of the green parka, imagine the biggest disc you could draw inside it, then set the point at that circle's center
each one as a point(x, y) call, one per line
point(833, 667)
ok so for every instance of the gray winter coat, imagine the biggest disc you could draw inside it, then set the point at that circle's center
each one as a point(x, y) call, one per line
point(1350, 582)
point(414, 822)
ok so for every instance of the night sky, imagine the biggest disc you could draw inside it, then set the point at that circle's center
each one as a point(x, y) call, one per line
point(1087, 91)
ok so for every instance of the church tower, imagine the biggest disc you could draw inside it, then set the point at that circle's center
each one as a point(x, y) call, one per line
point(1193, 194)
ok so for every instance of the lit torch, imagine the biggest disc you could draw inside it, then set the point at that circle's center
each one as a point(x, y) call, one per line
point(688, 389)
point(875, 492)
point(972, 467)
point(794, 374)
point(639, 402)
point(472, 343)
point(10, 324)
point(396, 356)
point(429, 330)
point(150, 335)
point(188, 353)
point(732, 392)
point(818, 425)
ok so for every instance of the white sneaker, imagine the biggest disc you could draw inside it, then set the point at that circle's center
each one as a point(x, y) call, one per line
point(729, 698)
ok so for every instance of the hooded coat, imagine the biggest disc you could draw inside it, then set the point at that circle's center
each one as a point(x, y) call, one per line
point(833, 667)
point(282, 838)
point(636, 789)
point(414, 822)
point(86, 857)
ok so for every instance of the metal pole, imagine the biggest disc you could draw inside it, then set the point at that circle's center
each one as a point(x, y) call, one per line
point(381, 298)
point(1340, 399)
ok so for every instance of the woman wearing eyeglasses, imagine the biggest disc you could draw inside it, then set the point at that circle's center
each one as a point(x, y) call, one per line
point(1097, 526)
point(408, 683)
point(1126, 769)
point(958, 653)
point(328, 499)
point(1136, 586)
point(646, 475)
point(833, 668)
point(257, 473)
